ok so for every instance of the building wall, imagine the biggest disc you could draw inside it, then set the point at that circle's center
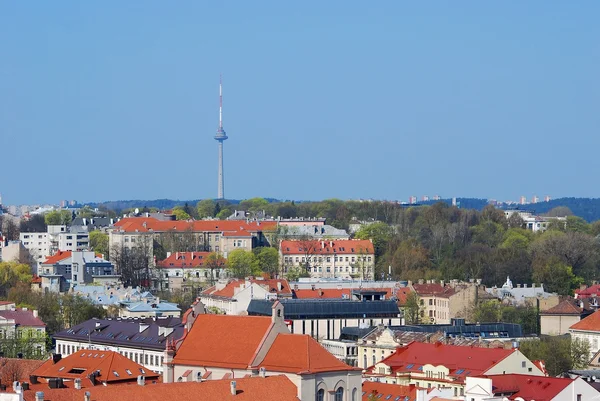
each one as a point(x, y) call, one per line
point(578, 390)
point(515, 363)
point(381, 348)
point(340, 265)
point(330, 329)
point(150, 359)
point(555, 325)
point(462, 302)
point(591, 337)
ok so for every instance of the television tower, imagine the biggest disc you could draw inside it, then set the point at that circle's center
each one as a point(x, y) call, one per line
point(220, 137)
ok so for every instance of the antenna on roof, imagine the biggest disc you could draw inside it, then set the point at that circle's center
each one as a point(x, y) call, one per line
point(220, 102)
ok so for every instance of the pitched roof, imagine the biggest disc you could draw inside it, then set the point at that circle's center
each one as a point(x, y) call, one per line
point(389, 391)
point(113, 367)
point(270, 285)
point(435, 289)
point(223, 341)
point(473, 361)
point(337, 247)
point(184, 259)
point(22, 317)
point(146, 224)
point(590, 323)
point(149, 333)
point(272, 388)
point(300, 353)
point(566, 307)
point(57, 257)
point(528, 387)
point(588, 292)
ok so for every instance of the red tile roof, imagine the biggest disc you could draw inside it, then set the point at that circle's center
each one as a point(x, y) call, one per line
point(57, 257)
point(145, 224)
point(223, 341)
point(566, 307)
point(337, 247)
point(433, 290)
point(272, 388)
point(592, 291)
point(113, 367)
point(473, 360)
point(323, 293)
point(24, 318)
point(529, 387)
point(184, 259)
point(395, 390)
point(590, 323)
point(300, 353)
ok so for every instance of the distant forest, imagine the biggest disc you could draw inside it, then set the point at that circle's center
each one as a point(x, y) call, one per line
point(586, 208)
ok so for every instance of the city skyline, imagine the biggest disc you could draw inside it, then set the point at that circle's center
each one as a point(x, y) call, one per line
point(349, 102)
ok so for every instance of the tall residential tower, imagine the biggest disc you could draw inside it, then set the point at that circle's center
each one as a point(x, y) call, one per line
point(220, 137)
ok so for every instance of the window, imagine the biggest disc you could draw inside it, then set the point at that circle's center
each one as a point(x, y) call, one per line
point(578, 397)
point(523, 364)
point(321, 395)
point(339, 394)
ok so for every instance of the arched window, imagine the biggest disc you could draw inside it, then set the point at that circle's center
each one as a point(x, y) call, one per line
point(339, 394)
point(374, 360)
point(321, 395)
point(365, 362)
point(354, 391)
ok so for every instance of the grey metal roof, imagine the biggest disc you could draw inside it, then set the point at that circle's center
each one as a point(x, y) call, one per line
point(483, 330)
point(124, 332)
point(326, 308)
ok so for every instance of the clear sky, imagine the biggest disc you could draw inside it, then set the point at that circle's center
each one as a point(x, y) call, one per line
point(114, 100)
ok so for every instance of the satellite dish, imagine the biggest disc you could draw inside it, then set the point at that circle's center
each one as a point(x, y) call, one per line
point(137, 211)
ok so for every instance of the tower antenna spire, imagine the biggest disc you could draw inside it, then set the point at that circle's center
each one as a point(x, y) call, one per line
point(220, 137)
point(220, 102)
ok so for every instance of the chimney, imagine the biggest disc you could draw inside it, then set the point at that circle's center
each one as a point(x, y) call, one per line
point(322, 244)
point(98, 324)
point(524, 285)
point(279, 286)
point(39, 396)
point(77, 384)
point(233, 388)
point(141, 380)
point(87, 396)
point(168, 254)
point(320, 293)
point(518, 285)
point(263, 372)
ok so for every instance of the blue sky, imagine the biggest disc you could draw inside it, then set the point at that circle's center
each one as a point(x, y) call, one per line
point(119, 100)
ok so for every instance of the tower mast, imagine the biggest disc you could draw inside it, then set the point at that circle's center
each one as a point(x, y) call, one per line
point(220, 137)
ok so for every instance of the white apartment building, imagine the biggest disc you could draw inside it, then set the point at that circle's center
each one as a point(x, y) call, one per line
point(57, 238)
point(345, 259)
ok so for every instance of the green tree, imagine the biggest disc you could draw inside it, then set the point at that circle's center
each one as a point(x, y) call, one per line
point(558, 353)
point(99, 243)
point(12, 273)
point(267, 260)
point(58, 217)
point(254, 204)
point(556, 275)
point(224, 213)
point(206, 208)
point(380, 233)
point(412, 309)
point(181, 214)
point(242, 263)
point(577, 225)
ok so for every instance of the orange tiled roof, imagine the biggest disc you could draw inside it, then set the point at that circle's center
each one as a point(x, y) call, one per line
point(337, 247)
point(145, 224)
point(590, 323)
point(322, 293)
point(272, 388)
point(300, 353)
point(184, 259)
point(57, 257)
point(566, 307)
point(223, 341)
point(375, 388)
point(113, 367)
